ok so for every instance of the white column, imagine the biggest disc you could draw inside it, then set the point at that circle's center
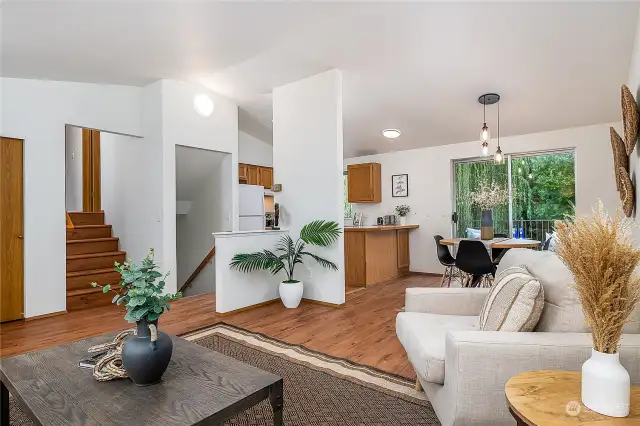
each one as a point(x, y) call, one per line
point(307, 161)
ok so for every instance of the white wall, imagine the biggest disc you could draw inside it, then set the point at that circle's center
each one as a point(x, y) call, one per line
point(73, 169)
point(430, 183)
point(182, 125)
point(633, 82)
point(234, 289)
point(307, 161)
point(126, 176)
point(37, 112)
point(254, 151)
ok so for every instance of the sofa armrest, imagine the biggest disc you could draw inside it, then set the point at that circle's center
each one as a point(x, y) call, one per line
point(445, 301)
point(478, 364)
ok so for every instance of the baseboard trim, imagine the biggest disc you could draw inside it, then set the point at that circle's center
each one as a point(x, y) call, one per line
point(246, 308)
point(428, 274)
point(52, 314)
point(320, 302)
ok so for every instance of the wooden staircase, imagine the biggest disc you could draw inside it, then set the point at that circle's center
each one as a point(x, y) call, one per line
point(91, 252)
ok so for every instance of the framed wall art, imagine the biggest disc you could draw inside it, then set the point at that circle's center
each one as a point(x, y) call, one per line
point(400, 185)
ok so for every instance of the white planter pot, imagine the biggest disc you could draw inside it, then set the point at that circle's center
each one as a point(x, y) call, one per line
point(606, 386)
point(403, 220)
point(291, 294)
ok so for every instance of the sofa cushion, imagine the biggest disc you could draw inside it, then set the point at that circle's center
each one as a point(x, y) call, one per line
point(423, 337)
point(562, 309)
point(514, 303)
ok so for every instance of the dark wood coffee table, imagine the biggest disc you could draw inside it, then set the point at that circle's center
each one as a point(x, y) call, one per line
point(199, 387)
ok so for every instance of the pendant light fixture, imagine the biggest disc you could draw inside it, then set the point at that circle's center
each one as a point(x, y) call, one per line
point(485, 135)
point(499, 157)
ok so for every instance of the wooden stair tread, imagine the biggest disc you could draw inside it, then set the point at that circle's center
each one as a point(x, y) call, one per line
point(92, 240)
point(90, 226)
point(91, 272)
point(90, 290)
point(92, 255)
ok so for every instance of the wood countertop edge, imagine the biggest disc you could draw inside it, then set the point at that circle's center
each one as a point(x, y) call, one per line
point(381, 228)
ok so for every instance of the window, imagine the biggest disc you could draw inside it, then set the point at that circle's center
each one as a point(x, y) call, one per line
point(541, 190)
point(347, 206)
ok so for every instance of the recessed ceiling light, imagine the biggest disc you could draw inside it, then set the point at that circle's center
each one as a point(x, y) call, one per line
point(203, 104)
point(391, 133)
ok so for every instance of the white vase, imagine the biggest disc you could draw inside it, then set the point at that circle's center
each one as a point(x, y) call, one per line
point(606, 386)
point(403, 220)
point(291, 294)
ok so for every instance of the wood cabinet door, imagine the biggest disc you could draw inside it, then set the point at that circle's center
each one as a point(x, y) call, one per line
point(242, 172)
point(364, 183)
point(266, 177)
point(253, 177)
point(403, 248)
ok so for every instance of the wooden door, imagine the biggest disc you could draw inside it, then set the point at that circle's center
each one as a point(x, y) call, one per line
point(266, 177)
point(90, 170)
point(11, 230)
point(253, 177)
point(403, 248)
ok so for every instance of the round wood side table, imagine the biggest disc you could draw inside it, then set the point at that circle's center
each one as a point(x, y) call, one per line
point(537, 398)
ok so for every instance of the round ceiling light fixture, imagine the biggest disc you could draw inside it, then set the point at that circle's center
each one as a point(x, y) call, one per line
point(203, 104)
point(391, 133)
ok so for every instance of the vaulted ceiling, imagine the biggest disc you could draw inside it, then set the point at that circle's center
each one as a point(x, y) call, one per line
point(417, 66)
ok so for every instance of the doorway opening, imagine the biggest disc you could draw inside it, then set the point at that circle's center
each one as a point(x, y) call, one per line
point(203, 206)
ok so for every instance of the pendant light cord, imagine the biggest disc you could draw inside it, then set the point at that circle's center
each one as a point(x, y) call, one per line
point(498, 124)
point(484, 104)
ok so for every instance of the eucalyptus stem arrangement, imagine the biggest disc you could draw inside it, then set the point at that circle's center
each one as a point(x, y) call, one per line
point(403, 210)
point(139, 291)
point(599, 252)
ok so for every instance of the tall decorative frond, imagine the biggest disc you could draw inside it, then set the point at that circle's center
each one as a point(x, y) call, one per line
point(599, 252)
point(320, 233)
point(323, 262)
point(261, 260)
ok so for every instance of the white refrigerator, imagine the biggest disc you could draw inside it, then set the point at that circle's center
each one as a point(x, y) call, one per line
point(251, 207)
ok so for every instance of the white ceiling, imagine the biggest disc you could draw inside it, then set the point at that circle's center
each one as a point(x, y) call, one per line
point(193, 166)
point(419, 66)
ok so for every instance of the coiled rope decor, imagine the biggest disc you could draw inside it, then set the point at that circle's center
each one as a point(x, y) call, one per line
point(109, 366)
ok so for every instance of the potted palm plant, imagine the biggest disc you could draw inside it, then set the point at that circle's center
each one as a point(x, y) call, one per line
point(288, 254)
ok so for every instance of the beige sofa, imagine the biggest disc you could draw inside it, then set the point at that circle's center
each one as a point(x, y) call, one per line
point(463, 370)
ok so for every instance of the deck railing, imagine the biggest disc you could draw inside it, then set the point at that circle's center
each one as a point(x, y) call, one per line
point(533, 229)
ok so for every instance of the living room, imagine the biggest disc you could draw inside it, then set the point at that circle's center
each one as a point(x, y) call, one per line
point(318, 317)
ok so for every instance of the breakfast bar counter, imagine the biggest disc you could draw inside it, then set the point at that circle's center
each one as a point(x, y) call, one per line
point(373, 254)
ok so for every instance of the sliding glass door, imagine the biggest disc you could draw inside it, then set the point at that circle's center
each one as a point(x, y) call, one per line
point(541, 190)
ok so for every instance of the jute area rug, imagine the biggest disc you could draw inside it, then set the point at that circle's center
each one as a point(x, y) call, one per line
point(318, 389)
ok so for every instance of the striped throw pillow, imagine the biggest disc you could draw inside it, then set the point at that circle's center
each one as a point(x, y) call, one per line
point(515, 302)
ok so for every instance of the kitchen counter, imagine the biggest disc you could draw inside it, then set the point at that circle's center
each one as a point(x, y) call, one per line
point(378, 228)
point(373, 254)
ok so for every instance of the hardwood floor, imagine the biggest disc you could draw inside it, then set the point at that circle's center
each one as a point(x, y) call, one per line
point(362, 331)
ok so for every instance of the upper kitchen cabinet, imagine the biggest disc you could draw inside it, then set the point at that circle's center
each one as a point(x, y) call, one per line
point(365, 185)
point(266, 177)
point(243, 173)
point(253, 175)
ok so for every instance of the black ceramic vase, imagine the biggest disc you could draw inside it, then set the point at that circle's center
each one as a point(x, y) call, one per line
point(146, 354)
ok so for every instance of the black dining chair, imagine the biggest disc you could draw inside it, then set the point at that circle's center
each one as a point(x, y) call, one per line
point(448, 261)
point(473, 259)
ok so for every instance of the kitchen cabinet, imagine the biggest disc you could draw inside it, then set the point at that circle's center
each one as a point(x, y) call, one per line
point(265, 177)
point(364, 183)
point(253, 176)
point(403, 249)
point(242, 173)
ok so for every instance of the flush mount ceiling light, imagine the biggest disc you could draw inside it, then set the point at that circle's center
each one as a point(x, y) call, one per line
point(203, 104)
point(485, 135)
point(391, 133)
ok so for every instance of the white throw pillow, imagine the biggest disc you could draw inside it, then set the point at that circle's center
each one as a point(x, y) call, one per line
point(515, 302)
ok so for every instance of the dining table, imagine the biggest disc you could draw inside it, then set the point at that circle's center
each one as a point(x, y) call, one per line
point(496, 243)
